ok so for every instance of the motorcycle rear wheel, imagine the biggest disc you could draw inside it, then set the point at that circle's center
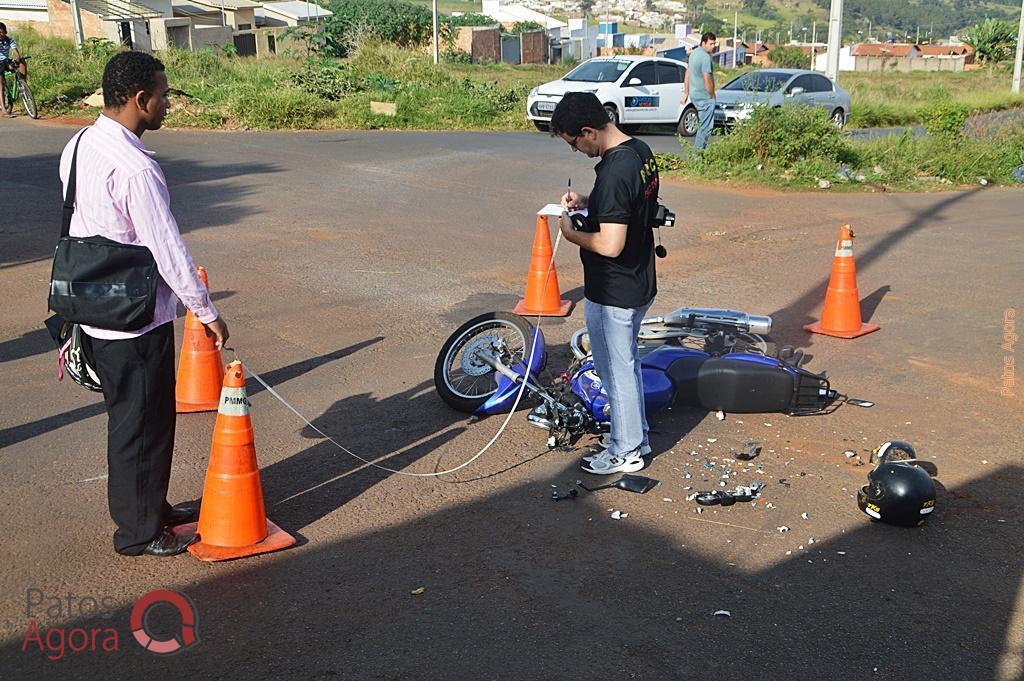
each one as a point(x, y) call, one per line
point(465, 383)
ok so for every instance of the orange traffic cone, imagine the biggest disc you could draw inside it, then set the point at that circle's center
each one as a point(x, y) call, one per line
point(233, 522)
point(200, 369)
point(542, 295)
point(841, 316)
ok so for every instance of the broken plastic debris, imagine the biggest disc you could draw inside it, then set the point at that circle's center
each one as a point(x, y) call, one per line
point(850, 453)
point(666, 499)
point(841, 553)
point(419, 591)
point(720, 415)
point(782, 528)
point(723, 613)
point(804, 516)
point(712, 440)
point(811, 540)
point(619, 515)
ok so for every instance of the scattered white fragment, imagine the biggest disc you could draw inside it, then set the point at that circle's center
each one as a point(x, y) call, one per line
point(801, 547)
point(692, 497)
point(841, 553)
point(688, 476)
point(722, 484)
point(907, 423)
point(811, 540)
point(699, 509)
point(712, 440)
point(679, 619)
point(782, 528)
point(617, 514)
point(768, 424)
point(666, 499)
point(723, 613)
point(720, 415)
point(804, 516)
point(850, 453)
point(984, 461)
point(769, 505)
point(789, 553)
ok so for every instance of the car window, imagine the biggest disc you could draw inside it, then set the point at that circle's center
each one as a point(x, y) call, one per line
point(800, 81)
point(598, 71)
point(758, 81)
point(820, 84)
point(669, 73)
point(645, 72)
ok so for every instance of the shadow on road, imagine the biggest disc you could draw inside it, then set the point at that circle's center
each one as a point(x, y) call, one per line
point(208, 195)
point(517, 587)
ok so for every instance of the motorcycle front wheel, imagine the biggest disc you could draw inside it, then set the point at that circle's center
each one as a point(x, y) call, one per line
point(461, 378)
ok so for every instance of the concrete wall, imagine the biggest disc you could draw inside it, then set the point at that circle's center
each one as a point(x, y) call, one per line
point(878, 64)
point(534, 48)
point(62, 25)
point(480, 43)
point(211, 36)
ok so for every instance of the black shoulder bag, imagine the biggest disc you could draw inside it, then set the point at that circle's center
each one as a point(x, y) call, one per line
point(100, 282)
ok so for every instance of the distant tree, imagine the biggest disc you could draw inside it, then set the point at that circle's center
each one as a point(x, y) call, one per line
point(526, 27)
point(754, 6)
point(586, 6)
point(709, 22)
point(788, 57)
point(993, 40)
point(649, 5)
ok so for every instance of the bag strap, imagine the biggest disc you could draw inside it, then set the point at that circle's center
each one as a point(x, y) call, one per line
point(69, 195)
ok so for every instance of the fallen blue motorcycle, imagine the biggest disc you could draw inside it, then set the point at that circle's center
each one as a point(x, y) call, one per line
point(699, 357)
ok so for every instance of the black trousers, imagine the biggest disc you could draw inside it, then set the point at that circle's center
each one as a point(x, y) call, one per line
point(138, 388)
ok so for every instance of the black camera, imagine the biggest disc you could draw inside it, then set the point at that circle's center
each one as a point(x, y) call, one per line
point(663, 217)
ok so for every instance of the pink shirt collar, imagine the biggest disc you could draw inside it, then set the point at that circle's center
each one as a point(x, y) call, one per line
point(112, 127)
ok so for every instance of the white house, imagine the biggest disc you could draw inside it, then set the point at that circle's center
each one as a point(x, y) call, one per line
point(291, 13)
point(513, 14)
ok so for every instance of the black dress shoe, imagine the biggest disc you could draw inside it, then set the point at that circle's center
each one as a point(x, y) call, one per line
point(169, 544)
point(180, 514)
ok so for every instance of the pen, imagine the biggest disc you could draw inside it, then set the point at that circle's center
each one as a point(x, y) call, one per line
point(568, 192)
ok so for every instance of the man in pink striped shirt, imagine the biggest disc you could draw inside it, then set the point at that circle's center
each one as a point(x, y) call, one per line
point(121, 194)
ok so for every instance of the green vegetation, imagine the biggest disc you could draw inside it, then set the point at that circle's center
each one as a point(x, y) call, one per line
point(992, 40)
point(897, 99)
point(799, 148)
point(788, 57)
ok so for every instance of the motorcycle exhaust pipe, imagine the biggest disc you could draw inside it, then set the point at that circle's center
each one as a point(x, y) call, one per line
point(741, 321)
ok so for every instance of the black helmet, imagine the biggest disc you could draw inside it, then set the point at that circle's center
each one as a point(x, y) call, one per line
point(71, 354)
point(898, 490)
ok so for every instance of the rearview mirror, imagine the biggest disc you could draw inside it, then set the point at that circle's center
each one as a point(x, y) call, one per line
point(796, 91)
point(634, 81)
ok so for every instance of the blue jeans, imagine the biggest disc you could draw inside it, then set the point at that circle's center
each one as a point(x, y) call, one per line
point(706, 116)
point(613, 332)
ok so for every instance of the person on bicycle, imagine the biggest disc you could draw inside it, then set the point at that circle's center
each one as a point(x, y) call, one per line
point(7, 47)
point(617, 250)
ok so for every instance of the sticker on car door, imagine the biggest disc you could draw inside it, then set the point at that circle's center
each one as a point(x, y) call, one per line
point(646, 102)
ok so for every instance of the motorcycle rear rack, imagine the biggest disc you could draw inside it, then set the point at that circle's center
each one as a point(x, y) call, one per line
point(812, 393)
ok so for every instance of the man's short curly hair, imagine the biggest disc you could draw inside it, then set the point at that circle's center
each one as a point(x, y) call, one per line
point(576, 111)
point(126, 74)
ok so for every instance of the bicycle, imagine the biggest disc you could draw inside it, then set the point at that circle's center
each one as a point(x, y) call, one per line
point(9, 90)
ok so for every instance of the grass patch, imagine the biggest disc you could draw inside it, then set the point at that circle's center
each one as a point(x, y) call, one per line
point(798, 148)
point(897, 99)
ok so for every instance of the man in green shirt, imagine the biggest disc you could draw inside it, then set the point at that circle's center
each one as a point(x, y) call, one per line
point(699, 87)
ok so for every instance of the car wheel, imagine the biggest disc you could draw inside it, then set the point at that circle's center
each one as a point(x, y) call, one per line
point(689, 122)
point(542, 126)
point(613, 115)
point(839, 118)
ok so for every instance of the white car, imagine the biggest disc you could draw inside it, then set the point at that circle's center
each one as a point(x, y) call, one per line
point(634, 90)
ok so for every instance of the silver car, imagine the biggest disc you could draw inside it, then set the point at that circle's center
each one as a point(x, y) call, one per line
point(773, 87)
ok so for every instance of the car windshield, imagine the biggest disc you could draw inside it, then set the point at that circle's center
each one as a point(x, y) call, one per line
point(598, 71)
point(758, 81)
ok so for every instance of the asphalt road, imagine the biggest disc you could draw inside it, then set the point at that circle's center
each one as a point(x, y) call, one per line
point(342, 260)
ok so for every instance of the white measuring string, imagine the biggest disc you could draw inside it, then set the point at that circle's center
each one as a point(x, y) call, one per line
point(519, 397)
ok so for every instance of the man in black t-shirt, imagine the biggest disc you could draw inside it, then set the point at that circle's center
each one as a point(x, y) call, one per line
point(617, 250)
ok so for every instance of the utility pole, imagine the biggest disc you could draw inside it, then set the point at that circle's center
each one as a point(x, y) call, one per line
point(735, 37)
point(814, 42)
point(1020, 51)
point(835, 39)
point(76, 18)
point(437, 47)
